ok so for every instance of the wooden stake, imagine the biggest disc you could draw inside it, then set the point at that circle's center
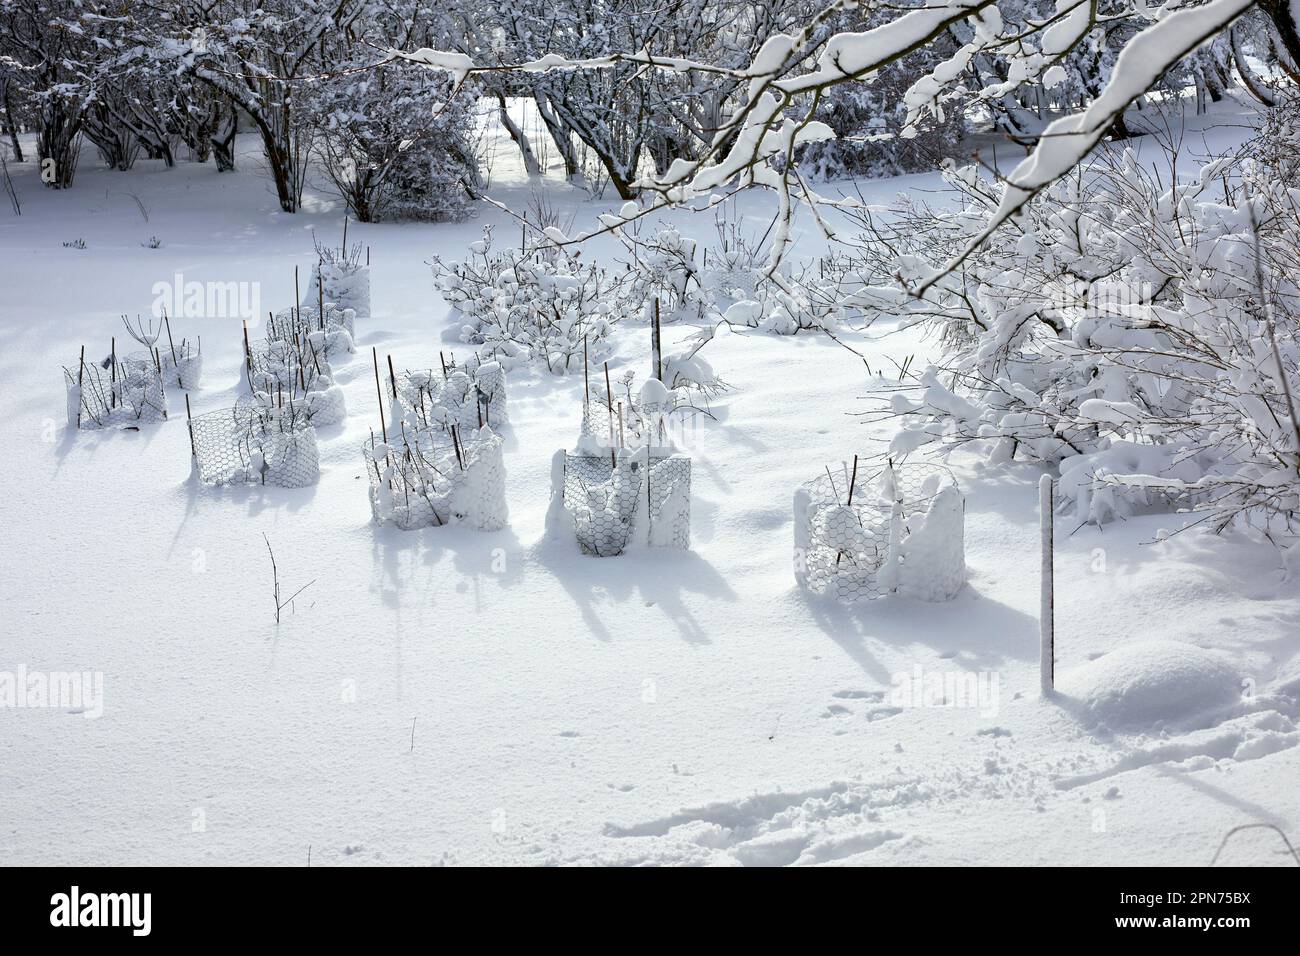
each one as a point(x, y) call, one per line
point(586, 382)
point(379, 390)
point(854, 480)
point(81, 377)
point(392, 376)
point(112, 397)
point(189, 423)
point(621, 442)
point(609, 402)
point(656, 337)
point(176, 364)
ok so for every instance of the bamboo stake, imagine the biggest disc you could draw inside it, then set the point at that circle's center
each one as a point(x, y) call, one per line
point(379, 390)
point(176, 364)
point(112, 395)
point(81, 377)
point(656, 337)
point(189, 423)
point(609, 402)
point(586, 382)
point(392, 376)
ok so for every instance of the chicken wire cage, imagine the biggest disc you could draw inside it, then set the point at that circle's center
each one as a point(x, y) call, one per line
point(608, 497)
point(180, 366)
point(345, 282)
point(298, 322)
point(433, 477)
point(469, 397)
point(122, 391)
point(254, 443)
point(284, 366)
point(631, 422)
point(901, 531)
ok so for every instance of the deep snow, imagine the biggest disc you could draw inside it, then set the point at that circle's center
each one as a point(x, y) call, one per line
point(452, 696)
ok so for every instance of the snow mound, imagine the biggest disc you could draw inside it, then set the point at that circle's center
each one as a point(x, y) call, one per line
point(1151, 681)
point(1287, 682)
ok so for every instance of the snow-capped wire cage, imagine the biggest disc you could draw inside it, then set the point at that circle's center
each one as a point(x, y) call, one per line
point(433, 477)
point(341, 276)
point(287, 366)
point(900, 531)
point(623, 419)
point(614, 501)
point(121, 391)
point(327, 319)
point(254, 443)
point(469, 397)
point(180, 366)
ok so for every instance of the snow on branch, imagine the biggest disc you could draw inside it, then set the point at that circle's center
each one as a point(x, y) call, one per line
point(756, 144)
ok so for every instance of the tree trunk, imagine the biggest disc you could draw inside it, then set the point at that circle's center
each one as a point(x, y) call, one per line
point(56, 143)
point(1283, 15)
point(531, 166)
point(1251, 82)
point(562, 136)
point(11, 125)
point(222, 138)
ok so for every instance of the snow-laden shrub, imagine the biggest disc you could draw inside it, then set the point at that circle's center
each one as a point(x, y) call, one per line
point(1276, 148)
point(1144, 336)
point(626, 415)
point(303, 328)
point(800, 307)
point(396, 143)
point(297, 372)
point(468, 397)
point(517, 306)
point(430, 477)
point(872, 139)
point(898, 532)
point(664, 277)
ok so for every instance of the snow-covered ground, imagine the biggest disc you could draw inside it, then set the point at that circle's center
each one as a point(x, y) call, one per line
point(451, 696)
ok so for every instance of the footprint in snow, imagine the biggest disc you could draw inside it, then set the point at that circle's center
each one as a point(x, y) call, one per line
point(872, 695)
